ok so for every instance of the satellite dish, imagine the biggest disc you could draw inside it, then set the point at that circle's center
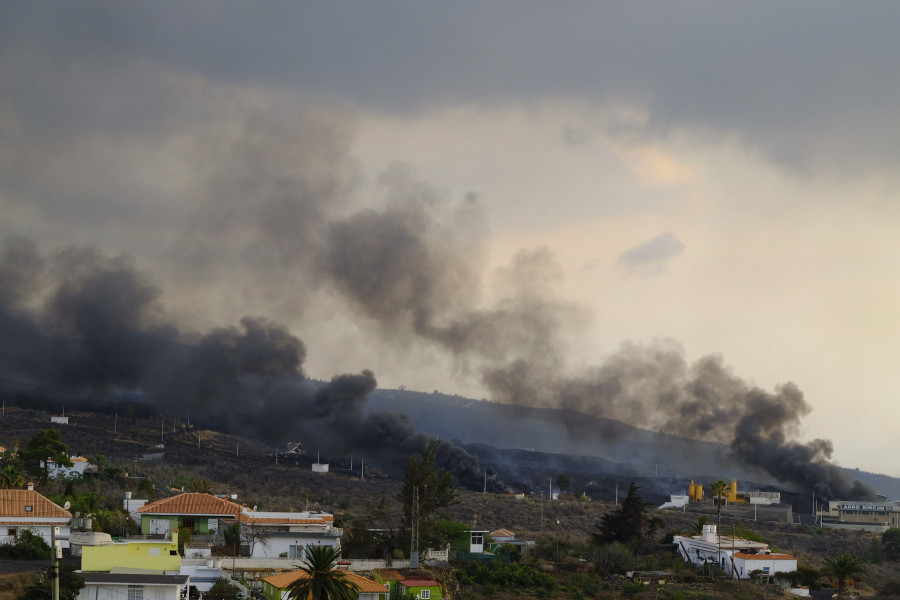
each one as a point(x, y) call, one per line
point(67, 505)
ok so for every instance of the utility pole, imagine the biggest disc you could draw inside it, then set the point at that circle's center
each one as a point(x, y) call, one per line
point(54, 563)
point(414, 531)
point(542, 512)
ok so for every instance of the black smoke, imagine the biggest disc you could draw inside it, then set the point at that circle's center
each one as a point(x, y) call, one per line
point(80, 320)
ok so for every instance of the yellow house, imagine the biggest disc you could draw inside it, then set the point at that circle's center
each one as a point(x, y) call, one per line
point(156, 555)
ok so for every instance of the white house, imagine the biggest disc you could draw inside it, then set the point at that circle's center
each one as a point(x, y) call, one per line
point(27, 509)
point(736, 556)
point(132, 506)
point(119, 586)
point(271, 534)
point(203, 569)
point(80, 466)
point(768, 563)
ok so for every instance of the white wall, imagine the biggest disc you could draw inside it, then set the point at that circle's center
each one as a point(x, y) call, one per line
point(110, 591)
point(41, 530)
point(274, 546)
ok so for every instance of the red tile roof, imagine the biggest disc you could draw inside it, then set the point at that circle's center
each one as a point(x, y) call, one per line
point(283, 580)
point(192, 503)
point(245, 518)
point(13, 503)
point(389, 574)
point(419, 581)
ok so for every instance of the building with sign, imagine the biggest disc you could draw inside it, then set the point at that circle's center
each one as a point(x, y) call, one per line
point(863, 515)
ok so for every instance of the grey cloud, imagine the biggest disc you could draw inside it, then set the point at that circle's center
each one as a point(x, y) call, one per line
point(805, 83)
point(652, 255)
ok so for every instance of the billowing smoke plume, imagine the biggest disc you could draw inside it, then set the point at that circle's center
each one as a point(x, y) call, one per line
point(653, 386)
point(279, 216)
point(79, 320)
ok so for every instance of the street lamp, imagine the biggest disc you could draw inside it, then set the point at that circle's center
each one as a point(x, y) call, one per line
point(557, 541)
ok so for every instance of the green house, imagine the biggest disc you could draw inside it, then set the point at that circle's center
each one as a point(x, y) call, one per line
point(201, 513)
point(422, 587)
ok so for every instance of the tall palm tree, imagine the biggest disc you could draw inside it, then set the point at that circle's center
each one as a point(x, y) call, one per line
point(322, 581)
point(843, 567)
point(718, 489)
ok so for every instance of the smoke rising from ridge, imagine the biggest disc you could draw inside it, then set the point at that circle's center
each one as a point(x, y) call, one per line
point(278, 214)
point(96, 323)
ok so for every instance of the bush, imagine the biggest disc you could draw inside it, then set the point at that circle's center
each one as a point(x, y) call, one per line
point(632, 588)
point(508, 576)
point(588, 585)
point(28, 546)
point(614, 558)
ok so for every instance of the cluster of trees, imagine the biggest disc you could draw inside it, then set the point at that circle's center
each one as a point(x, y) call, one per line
point(426, 489)
point(31, 460)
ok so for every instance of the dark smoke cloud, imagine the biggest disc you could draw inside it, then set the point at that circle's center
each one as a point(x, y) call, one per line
point(653, 386)
point(96, 323)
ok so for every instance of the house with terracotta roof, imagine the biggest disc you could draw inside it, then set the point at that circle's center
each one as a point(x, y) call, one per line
point(735, 556)
point(275, 587)
point(80, 466)
point(201, 513)
point(263, 534)
point(27, 509)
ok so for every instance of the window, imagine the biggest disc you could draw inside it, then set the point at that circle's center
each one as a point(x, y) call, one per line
point(477, 538)
point(135, 592)
point(426, 595)
point(28, 508)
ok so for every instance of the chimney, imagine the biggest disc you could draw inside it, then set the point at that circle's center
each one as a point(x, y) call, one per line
point(31, 486)
point(709, 533)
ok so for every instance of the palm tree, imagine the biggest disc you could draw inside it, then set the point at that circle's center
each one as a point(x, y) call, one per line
point(321, 580)
point(10, 478)
point(843, 567)
point(718, 489)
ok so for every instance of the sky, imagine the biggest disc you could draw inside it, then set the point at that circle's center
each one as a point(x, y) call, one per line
point(430, 190)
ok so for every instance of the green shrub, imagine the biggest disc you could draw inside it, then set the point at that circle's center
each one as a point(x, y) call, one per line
point(508, 576)
point(28, 546)
point(632, 587)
